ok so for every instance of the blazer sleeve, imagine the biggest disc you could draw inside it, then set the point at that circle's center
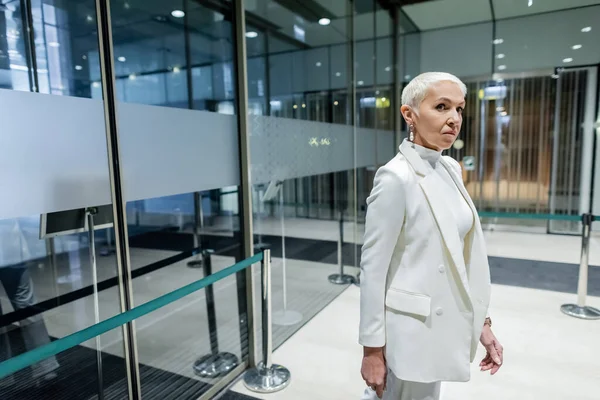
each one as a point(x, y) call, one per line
point(384, 221)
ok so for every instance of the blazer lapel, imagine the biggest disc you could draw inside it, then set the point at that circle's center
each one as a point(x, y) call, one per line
point(432, 187)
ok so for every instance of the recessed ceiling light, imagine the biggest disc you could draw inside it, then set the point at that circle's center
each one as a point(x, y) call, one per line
point(89, 18)
point(577, 47)
point(388, 69)
point(406, 77)
point(360, 83)
point(501, 67)
point(121, 59)
point(498, 41)
point(176, 70)
point(324, 21)
point(338, 74)
point(132, 77)
point(303, 105)
point(178, 13)
point(377, 92)
point(529, 3)
point(318, 64)
point(84, 57)
point(295, 106)
point(251, 34)
point(586, 29)
point(500, 56)
point(96, 84)
point(383, 99)
point(568, 60)
point(335, 103)
point(126, 5)
point(53, 44)
point(78, 67)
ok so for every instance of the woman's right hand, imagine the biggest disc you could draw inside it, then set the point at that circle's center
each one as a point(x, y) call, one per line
point(374, 370)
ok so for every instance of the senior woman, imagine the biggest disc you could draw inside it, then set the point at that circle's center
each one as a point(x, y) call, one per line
point(425, 280)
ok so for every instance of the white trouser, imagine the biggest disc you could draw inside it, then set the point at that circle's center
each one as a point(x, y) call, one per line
point(397, 389)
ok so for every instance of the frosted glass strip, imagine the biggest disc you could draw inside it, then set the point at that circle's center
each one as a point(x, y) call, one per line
point(55, 151)
point(385, 146)
point(168, 151)
point(55, 156)
point(284, 148)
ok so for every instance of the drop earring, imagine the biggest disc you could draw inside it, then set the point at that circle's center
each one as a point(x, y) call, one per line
point(412, 133)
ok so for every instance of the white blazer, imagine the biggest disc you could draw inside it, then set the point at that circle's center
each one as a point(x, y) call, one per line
point(422, 296)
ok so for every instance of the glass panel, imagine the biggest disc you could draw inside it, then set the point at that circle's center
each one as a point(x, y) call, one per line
point(303, 163)
point(57, 153)
point(183, 363)
point(179, 140)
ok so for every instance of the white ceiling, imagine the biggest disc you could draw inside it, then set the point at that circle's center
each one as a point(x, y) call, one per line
point(427, 16)
point(336, 7)
point(518, 8)
point(444, 13)
point(438, 14)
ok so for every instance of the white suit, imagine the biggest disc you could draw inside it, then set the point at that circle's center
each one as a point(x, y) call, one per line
point(424, 296)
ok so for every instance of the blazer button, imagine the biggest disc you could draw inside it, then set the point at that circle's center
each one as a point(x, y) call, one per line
point(439, 311)
point(442, 269)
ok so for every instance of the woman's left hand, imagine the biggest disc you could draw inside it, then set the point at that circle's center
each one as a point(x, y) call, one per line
point(494, 357)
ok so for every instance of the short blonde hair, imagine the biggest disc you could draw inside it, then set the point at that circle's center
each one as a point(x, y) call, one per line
point(416, 90)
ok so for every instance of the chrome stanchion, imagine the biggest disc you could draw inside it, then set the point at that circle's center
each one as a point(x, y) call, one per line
point(341, 278)
point(215, 364)
point(90, 212)
point(580, 310)
point(198, 224)
point(267, 377)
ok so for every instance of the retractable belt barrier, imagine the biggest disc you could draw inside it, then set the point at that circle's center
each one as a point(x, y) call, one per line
point(272, 377)
point(579, 310)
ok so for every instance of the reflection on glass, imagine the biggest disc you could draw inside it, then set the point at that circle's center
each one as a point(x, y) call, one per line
point(305, 197)
point(174, 69)
point(47, 288)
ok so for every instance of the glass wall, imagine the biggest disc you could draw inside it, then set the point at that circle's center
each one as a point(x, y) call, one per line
point(176, 119)
point(175, 86)
point(55, 176)
point(320, 80)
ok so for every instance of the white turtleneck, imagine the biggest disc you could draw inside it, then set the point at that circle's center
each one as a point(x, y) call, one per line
point(456, 202)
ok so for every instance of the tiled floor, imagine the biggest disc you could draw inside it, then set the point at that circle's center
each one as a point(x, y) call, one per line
point(323, 355)
point(548, 355)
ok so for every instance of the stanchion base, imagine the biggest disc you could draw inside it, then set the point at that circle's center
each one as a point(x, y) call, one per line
point(195, 264)
point(573, 310)
point(286, 317)
point(338, 279)
point(215, 365)
point(267, 380)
